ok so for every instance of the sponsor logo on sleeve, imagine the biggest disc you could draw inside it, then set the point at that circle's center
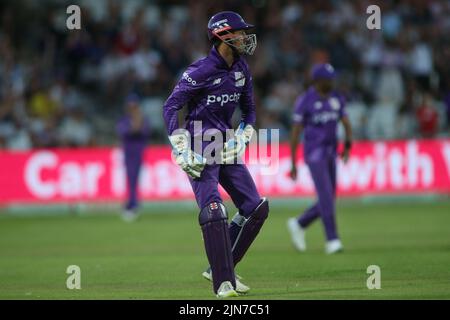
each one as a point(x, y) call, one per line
point(189, 79)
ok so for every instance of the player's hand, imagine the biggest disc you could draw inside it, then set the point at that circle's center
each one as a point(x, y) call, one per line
point(346, 153)
point(189, 161)
point(293, 173)
point(234, 148)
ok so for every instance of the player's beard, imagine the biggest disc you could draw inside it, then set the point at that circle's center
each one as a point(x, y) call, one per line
point(236, 52)
point(247, 44)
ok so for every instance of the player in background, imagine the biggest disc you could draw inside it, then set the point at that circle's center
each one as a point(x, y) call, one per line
point(212, 88)
point(134, 132)
point(317, 113)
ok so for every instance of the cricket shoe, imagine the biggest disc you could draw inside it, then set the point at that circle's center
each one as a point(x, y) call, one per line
point(333, 246)
point(297, 234)
point(226, 290)
point(129, 215)
point(240, 287)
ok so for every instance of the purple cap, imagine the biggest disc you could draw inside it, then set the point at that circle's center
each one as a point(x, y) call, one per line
point(323, 71)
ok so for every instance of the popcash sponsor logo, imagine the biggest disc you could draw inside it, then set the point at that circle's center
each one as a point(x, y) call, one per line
point(324, 117)
point(223, 99)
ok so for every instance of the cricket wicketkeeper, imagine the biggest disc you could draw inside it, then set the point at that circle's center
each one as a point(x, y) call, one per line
point(212, 88)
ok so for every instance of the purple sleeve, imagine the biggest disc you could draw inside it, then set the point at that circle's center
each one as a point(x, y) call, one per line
point(299, 110)
point(187, 87)
point(123, 127)
point(247, 100)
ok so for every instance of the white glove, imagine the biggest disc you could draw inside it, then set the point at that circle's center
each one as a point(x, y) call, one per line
point(191, 162)
point(235, 147)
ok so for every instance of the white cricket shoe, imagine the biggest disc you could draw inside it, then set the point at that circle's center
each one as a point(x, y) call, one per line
point(297, 234)
point(240, 287)
point(226, 290)
point(129, 215)
point(333, 246)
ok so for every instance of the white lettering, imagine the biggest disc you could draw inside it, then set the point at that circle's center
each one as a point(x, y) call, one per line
point(35, 165)
point(418, 162)
point(374, 20)
point(74, 20)
point(446, 155)
point(69, 179)
point(223, 99)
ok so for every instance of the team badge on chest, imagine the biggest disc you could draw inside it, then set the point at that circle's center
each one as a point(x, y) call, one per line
point(334, 103)
point(240, 79)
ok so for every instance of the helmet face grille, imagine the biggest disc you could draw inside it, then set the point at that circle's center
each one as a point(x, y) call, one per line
point(251, 43)
point(244, 44)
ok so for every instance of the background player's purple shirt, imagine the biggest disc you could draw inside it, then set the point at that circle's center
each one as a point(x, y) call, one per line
point(319, 117)
point(133, 142)
point(212, 91)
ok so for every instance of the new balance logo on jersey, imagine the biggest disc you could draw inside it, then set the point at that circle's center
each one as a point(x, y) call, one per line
point(217, 81)
point(223, 99)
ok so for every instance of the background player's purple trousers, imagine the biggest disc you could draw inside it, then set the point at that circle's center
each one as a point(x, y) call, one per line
point(323, 173)
point(133, 164)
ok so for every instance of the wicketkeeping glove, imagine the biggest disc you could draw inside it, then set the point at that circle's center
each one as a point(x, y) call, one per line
point(191, 162)
point(235, 147)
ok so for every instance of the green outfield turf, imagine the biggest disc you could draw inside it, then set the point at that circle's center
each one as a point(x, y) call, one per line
point(162, 256)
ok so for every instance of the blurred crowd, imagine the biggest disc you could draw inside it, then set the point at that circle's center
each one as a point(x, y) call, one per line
point(61, 87)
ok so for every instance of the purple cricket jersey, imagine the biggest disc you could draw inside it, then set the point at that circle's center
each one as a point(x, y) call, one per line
point(319, 117)
point(133, 143)
point(212, 90)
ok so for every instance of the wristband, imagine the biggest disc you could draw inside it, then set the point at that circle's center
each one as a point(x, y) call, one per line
point(348, 144)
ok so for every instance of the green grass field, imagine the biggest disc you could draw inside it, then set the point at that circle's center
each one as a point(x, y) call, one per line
point(161, 256)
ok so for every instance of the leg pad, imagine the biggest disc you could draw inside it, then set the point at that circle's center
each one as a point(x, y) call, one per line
point(214, 223)
point(249, 229)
